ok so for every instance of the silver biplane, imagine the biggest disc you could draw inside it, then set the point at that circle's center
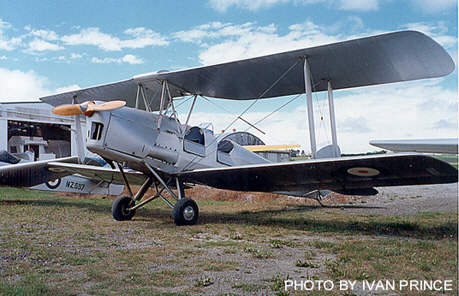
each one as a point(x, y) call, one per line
point(127, 124)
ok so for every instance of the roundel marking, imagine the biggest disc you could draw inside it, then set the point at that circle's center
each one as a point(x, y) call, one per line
point(53, 184)
point(363, 172)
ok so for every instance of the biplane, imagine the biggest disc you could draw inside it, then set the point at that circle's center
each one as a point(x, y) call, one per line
point(133, 123)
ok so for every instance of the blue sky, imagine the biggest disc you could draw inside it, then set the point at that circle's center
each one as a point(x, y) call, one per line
point(51, 46)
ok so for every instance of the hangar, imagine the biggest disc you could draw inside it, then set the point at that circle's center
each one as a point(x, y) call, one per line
point(31, 131)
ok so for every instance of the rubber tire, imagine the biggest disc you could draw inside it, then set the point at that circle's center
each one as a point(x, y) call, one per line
point(178, 212)
point(119, 208)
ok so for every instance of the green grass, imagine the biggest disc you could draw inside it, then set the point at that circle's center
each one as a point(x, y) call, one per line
point(452, 159)
point(61, 245)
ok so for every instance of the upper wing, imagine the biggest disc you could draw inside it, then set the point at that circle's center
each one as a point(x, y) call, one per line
point(392, 57)
point(333, 174)
point(449, 146)
point(34, 173)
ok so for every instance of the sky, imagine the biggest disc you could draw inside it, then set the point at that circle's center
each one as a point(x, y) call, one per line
point(49, 47)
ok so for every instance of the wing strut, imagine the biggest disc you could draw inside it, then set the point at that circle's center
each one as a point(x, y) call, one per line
point(331, 108)
point(189, 115)
point(309, 107)
point(79, 134)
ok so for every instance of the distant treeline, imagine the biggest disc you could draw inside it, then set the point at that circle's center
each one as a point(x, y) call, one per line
point(300, 153)
point(368, 153)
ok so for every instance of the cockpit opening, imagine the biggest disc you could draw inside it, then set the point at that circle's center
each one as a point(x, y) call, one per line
point(225, 146)
point(195, 135)
point(194, 141)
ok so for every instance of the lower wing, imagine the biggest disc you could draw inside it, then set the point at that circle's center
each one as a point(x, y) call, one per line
point(337, 174)
point(38, 172)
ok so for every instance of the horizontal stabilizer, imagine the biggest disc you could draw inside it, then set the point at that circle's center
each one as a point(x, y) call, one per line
point(448, 146)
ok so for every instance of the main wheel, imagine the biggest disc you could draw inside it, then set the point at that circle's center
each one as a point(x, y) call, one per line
point(120, 208)
point(185, 212)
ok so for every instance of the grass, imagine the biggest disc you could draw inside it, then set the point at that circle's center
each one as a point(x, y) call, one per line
point(66, 245)
point(452, 159)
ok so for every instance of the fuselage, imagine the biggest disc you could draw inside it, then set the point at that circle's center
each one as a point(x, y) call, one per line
point(132, 136)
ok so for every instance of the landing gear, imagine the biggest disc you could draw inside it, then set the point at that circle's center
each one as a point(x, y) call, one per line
point(185, 212)
point(121, 208)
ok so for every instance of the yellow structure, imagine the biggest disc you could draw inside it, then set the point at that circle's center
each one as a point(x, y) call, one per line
point(257, 148)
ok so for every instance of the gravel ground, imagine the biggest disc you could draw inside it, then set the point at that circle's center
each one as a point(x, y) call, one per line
point(406, 200)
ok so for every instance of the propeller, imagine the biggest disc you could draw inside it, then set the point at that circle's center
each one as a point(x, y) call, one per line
point(87, 108)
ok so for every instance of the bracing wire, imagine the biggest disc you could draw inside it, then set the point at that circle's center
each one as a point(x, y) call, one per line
point(246, 109)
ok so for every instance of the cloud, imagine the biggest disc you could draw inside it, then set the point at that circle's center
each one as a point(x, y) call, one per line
point(432, 7)
point(7, 43)
point(67, 88)
point(224, 42)
point(354, 124)
point(75, 56)
point(254, 5)
point(229, 42)
point(129, 58)
point(358, 5)
point(438, 31)
point(26, 86)
point(223, 5)
point(92, 36)
point(20, 85)
point(4, 25)
point(3, 58)
point(378, 112)
point(42, 34)
point(38, 45)
point(445, 124)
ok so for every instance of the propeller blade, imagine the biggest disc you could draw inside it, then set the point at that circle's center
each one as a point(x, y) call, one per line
point(112, 105)
point(87, 108)
point(66, 110)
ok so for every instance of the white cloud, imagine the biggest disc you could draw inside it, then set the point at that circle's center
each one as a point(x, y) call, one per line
point(67, 88)
point(18, 85)
point(223, 42)
point(438, 31)
point(75, 56)
point(129, 58)
point(358, 5)
point(7, 43)
point(417, 109)
point(42, 34)
point(37, 45)
point(227, 42)
point(92, 36)
point(223, 5)
point(436, 6)
point(26, 86)
point(142, 38)
point(4, 25)
point(3, 58)
point(253, 5)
